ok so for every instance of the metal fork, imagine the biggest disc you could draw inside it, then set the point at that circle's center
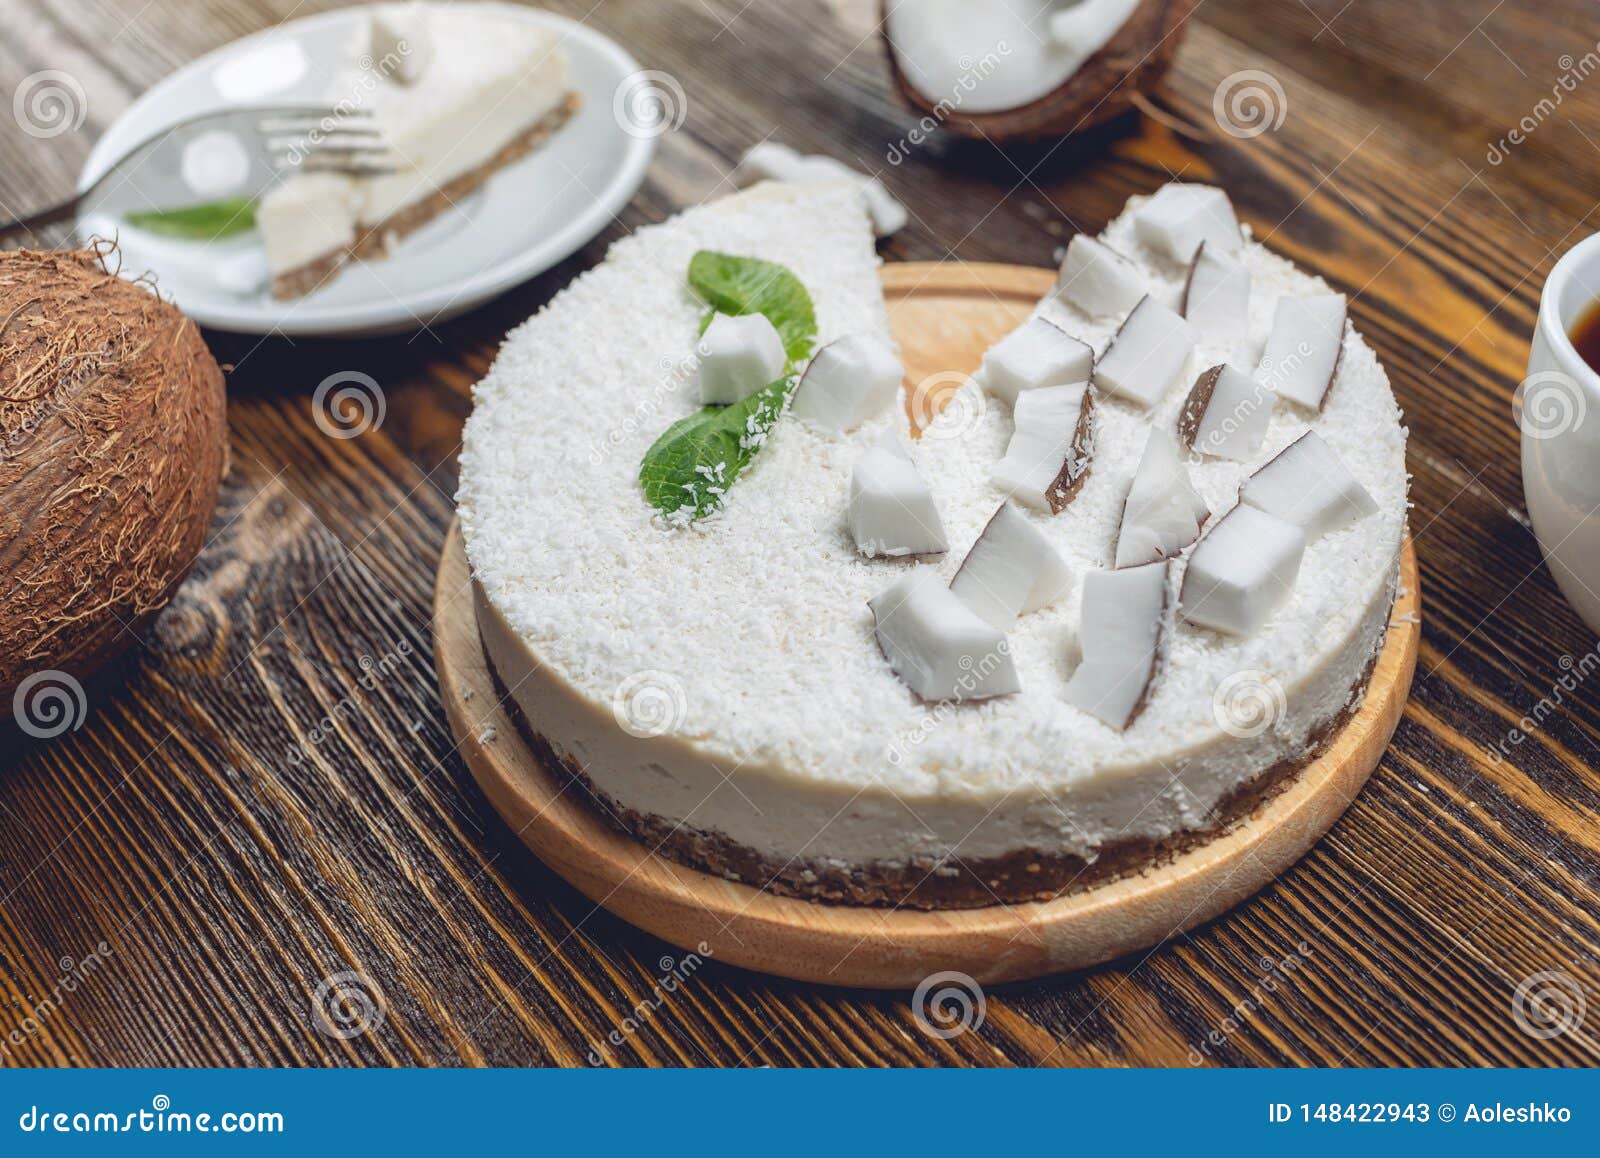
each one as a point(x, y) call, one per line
point(275, 140)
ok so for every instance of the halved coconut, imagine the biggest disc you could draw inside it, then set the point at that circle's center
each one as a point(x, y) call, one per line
point(1028, 69)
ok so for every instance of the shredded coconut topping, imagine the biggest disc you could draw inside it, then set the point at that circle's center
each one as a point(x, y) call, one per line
point(760, 611)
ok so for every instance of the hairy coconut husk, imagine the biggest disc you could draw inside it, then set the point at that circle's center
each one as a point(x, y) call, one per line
point(1110, 82)
point(113, 441)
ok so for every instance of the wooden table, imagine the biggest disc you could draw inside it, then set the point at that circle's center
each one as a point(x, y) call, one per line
point(250, 812)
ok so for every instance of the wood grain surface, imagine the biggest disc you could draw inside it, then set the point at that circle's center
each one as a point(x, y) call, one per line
point(263, 815)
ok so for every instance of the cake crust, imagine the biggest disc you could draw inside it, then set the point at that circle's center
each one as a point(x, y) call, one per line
point(957, 883)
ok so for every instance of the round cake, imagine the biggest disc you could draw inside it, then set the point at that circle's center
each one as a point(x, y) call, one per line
point(1010, 687)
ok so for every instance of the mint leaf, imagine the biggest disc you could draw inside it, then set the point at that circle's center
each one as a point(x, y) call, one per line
point(746, 285)
point(199, 222)
point(692, 465)
point(688, 470)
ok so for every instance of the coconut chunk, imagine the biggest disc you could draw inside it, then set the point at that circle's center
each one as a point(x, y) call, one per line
point(1242, 571)
point(1308, 484)
point(848, 381)
point(1033, 356)
point(1304, 347)
point(1178, 218)
point(770, 161)
point(891, 441)
point(891, 506)
point(1124, 618)
point(1163, 514)
point(1011, 569)
point(1226, 414)
point(399, 41)
point(739, 354)
point(1146, 356)
point(1216, 294)
point(1045, 69)
point(937, 645)
point(1047, 458)
point(1098, 280)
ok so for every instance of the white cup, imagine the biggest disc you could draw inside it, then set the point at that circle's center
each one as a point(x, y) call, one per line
point(1558, 408)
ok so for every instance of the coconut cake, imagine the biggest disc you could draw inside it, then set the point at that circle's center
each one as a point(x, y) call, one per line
point(720, 689)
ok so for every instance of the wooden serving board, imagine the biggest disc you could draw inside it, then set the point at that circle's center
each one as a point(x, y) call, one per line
point(945, 316)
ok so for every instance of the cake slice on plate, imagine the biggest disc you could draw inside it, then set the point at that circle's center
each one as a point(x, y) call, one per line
point(458, 92)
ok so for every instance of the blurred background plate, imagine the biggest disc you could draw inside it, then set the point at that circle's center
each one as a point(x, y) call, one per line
point(523, 221)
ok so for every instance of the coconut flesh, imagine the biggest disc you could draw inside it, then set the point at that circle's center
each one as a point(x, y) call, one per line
point(1029, 68)
point(113, 441)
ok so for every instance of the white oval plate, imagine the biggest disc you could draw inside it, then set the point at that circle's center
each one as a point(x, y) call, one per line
point(524, 220)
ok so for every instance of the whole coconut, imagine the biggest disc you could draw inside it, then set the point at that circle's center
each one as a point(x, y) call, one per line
point(939, 42)
point(113, 440)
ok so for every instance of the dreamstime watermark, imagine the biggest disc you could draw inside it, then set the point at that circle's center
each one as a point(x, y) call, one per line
point(1270, 373)
point(649, 103)
point(947, 405)
point(349, 706)
point(49, 103)
point(1221, 431)
point(370, 73)
point(348, 1004)
point(1573, 73)
point(348, 403)
point(973, 73)
point(1274, 974)
point(675, 375)
point(1548, 1004)
point(1248, 703)
point(158, 1118)
point(649, 704)
point(74, 974)
point(1548, 404)
point(1574, 673)
point(975, 672)
point(48, 704)
point(1248, 103)
point(71, 373)
point(948, 1004)
point(675, 973)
